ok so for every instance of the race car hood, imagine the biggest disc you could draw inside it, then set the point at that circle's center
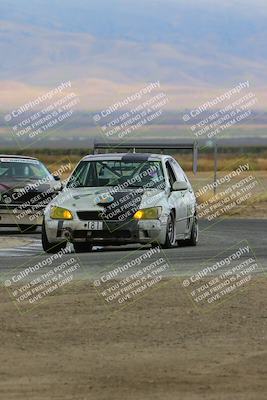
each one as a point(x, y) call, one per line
point(19, 190)
point(99, 198)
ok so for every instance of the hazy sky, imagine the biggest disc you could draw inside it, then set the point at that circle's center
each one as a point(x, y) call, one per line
point(191, 47)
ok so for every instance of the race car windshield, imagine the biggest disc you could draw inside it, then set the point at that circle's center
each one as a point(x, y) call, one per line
point(125, 174)
point(12, 169)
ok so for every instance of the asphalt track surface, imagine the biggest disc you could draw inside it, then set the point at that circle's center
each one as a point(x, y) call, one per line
point(215, 239)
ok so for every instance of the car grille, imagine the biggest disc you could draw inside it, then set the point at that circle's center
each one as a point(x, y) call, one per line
point(123, 234)
point(89, 215)
point(97, 215)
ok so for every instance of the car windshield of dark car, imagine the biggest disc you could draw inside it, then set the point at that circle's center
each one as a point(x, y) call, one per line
point(13, 169)
point(124, 174)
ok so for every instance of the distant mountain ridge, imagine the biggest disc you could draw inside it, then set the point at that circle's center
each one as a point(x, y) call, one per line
point(108, 48)
point(180, 42)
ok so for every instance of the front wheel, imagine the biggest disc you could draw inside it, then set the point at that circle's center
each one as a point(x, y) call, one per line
point(170, 240)
point(49, 247)
point(193, 240)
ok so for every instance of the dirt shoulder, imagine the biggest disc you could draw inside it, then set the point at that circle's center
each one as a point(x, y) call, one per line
point(257, 210)
point(71, 347)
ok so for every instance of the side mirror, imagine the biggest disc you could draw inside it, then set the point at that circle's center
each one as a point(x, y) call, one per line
point(180, 186)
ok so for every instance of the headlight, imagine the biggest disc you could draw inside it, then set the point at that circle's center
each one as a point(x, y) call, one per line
point(60, 213)
point(148, 213)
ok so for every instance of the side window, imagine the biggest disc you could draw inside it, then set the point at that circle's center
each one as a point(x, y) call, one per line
point(171, 175)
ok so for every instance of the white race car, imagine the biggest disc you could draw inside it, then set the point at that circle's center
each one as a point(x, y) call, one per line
point(118, 199)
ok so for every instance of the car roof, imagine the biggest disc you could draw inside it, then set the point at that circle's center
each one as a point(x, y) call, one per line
point(15, 156)
point(125, 157)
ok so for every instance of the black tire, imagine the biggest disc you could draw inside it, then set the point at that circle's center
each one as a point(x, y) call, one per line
point(51, 247)
point(27, 228)
point(170, 240)
point(193, 237)
point(82, 247)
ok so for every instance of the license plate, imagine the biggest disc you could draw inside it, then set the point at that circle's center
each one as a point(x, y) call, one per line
point(95, 225)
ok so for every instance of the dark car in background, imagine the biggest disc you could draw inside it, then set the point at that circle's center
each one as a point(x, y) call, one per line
point(26, 187)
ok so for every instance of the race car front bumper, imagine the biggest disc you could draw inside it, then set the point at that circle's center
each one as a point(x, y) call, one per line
point(113, 232)
point(15, 216)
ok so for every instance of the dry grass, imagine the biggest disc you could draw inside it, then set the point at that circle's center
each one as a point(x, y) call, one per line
point(225, 162)
point(205, 164)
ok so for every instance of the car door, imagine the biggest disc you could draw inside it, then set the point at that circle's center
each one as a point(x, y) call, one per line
point(177, 200)
point(188, 195)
